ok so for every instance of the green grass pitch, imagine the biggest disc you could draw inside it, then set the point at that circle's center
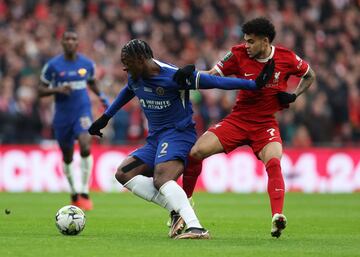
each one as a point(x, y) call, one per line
point(123, 225)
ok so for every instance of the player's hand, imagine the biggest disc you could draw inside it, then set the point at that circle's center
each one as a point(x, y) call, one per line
point(286, 98)
point(66, 89)
point(185, 76)
point(99, 124)
point(263, 78)
point(104, 100)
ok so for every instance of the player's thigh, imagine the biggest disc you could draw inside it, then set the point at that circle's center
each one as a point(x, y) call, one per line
point(80, 131)
point(222, 137)
point(172, 154)
point(266, 141)
point(207, 144)
point(65, 139)
point(174, 144)
point(84, 139)
point(270, 151)
point(147, 152)
point(166, 171)
point(131, 167)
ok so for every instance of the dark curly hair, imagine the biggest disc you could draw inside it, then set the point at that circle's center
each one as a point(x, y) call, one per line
point(137, 48)
point(260, 27)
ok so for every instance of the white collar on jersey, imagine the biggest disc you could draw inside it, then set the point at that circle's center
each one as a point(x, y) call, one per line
point(269, 57)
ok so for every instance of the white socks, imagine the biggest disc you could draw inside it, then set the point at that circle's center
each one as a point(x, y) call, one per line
point(68, 171)
point(170, 196)
point(178, 199)
point(86, 165)
point(144, 188)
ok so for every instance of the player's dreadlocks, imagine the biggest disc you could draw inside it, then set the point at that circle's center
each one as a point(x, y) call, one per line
point(138, 48)
point(260, 27)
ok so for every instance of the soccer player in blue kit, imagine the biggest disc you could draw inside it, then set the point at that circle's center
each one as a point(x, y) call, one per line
point(66, 76)
point(151, 172)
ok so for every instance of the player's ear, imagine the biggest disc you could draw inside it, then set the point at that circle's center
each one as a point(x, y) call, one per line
point(266, 40)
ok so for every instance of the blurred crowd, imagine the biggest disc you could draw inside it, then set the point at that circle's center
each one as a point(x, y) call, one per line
point(325, 33)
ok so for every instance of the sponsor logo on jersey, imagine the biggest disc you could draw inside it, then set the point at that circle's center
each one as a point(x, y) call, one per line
point(75, 85)
point(160, 91)
point(82, 72)
point(227, 56)
point(155, 104)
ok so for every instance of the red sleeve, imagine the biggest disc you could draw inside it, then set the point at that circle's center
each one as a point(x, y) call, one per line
point(298, 66)
point(228, 65)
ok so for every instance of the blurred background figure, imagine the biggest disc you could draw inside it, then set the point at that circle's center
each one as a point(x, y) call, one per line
point(323, 32)
point(66, 77)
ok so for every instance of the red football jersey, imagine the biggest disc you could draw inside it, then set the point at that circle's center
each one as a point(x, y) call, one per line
point(260, 105)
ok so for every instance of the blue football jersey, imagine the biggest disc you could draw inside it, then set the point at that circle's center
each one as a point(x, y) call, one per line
point(162, 101)
point(58, 72)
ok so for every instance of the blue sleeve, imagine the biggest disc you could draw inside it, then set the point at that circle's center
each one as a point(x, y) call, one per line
point(123, 98)
point(47, 73)
point(92, 71)
point(206, 81)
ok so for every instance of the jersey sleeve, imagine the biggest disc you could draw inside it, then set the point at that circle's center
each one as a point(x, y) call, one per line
point(92, 71)
point(206, 81)
point(298, 66)
point(228, 65)
point(47, 73)
point(125, 95)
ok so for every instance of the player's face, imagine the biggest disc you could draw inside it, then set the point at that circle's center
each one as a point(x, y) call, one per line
point(134, 66)
point(255, 45)
point(69, 42)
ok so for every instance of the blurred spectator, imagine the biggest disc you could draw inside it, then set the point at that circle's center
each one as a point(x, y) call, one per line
point(324, 32)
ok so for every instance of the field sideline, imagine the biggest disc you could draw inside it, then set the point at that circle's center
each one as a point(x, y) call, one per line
point(123, 225)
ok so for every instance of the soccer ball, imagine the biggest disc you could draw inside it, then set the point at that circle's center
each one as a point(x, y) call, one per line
point(70, 220)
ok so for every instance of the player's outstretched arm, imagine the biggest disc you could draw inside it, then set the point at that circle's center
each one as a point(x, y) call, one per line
point(123, 98)
point(190, 79)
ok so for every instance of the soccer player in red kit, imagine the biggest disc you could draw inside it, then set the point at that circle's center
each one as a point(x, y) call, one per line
point(252, 121)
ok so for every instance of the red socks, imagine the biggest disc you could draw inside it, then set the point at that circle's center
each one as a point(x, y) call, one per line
point(276, 186)
point(191, 173)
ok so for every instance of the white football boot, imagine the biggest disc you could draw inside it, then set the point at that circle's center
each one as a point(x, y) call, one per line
point(278, 224)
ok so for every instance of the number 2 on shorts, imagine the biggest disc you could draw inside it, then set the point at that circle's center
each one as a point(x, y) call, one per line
point(164, 147)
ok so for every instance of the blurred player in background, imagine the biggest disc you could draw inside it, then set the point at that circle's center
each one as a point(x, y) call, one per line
point(252, 121)
point(66, 76)
point(151, 171)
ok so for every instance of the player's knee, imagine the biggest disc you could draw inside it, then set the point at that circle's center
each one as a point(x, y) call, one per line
point(198, 153)
point(159, 177)
point(157, 182)
point(67, 159)
point(121, 176)
point(160, 181)
point(85, 152)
